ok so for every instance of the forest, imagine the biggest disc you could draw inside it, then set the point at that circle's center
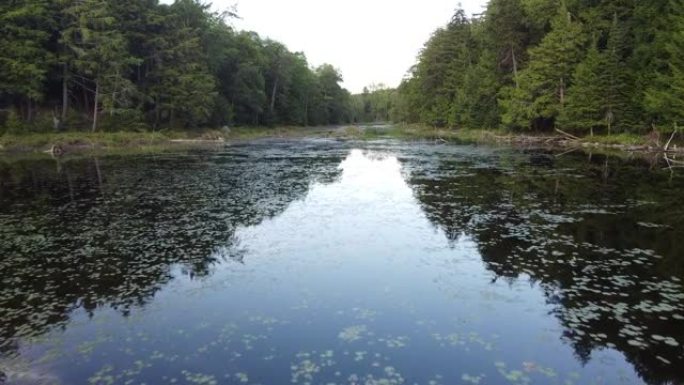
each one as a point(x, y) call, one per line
point(139, 64)
point(584, 66)
point(587, 66)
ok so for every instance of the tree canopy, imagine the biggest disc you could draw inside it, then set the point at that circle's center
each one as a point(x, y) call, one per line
point(580, 65)
point(96, 64)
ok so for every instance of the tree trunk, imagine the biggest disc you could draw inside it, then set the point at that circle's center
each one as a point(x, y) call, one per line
point(95, 107)
point(515, 68)
point(562, 92)
point(65, 92)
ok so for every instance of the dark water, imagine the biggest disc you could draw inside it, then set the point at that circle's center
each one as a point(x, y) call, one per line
point(320, 262)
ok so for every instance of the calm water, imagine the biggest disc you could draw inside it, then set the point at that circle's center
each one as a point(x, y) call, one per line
point(321, 262)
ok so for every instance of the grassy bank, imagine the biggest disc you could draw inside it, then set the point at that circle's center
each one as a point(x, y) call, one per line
point(129, 141)
point(108, 142)
point(624, 142)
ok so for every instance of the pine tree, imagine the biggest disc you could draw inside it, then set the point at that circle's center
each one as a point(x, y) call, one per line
point(507, 34)
point(665, 98)
point(615, 79)
point(584, 108)
point(145, 61)
point(182, 88)
point(544, 83)
point(599, 97)
point(441, 69)
point(100, 55)
point(649, 28)
point(25, 60)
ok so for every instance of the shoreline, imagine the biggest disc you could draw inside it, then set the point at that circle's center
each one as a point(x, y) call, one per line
point(59, 144)
point(557, 140)
point(123, 142)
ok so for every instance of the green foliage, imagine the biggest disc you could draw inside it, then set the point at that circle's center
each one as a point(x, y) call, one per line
point(434, 93)
point(600, 96)
point(507, 37)
point(375, 104)
point(665, 97)
point(335, 101)
point(544, 83)
point(141, 64)
point(24, 32)
point(520, 67)
point(583, 110)
point(183, 89)
point(98, 53)
point(13, 124)
point(615, 78)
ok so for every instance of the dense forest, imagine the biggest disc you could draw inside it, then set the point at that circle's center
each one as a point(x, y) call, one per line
point(89, 64)
point(604, 66)
point(375, 104)
point(586, 66)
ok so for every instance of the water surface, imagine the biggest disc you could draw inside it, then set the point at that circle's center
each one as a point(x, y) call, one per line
point(323, 262)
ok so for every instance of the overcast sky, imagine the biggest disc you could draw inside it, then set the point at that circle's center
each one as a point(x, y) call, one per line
point(370, 41)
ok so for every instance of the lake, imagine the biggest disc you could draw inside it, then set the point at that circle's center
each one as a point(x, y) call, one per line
point(330, 262)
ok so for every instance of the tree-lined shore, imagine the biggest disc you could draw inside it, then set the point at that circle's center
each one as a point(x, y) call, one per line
point(584, 66)
point(142, 65)
point(610, 68)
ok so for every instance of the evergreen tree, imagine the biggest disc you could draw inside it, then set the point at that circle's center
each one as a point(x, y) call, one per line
point(540, 14)
point(544, 83)
point(440, 71)
point(508, 35)
point(665, 98)
point(599, 97)
point(143, 62)
point(25, 60)
point(614, 79)
point(99, 55)
point(182, 89)
point(649, 57)
point(584, 108)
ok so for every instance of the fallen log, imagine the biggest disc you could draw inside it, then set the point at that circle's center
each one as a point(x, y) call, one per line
point(573, 137)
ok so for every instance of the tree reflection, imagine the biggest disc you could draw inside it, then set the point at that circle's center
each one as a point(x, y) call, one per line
point(602, 240)
point(108, 232)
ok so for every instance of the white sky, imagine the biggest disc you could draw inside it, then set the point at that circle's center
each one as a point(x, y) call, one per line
point(370, 41)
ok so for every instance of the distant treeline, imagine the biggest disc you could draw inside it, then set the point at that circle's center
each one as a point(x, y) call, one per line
point(76, 64)
point(375, 104)
point(582, 65)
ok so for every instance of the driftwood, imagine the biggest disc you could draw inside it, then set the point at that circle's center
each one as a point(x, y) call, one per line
point(674, 133)
point(573, 137)
point(527, 139)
